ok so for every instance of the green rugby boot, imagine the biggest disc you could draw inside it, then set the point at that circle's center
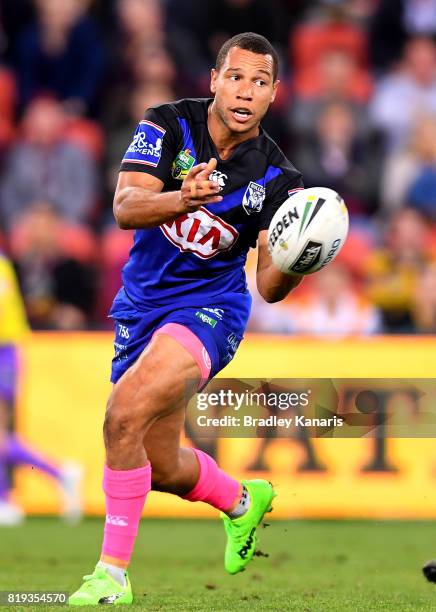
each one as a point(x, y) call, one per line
point(100, 588)
point(241, 531)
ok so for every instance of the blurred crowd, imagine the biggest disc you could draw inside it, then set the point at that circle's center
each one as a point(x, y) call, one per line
point(356, 112)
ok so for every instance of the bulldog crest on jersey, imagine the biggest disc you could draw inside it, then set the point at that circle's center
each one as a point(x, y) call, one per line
point(253, 198)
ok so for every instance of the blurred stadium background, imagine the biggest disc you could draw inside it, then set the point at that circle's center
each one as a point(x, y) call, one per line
point(356, 112)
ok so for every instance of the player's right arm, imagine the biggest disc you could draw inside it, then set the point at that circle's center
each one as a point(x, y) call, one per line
point(139, 202)
point(146, 168)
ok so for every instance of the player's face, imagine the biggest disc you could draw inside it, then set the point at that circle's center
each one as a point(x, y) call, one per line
point(244, 88)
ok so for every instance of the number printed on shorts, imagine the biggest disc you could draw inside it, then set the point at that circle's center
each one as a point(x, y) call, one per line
point(123, 331)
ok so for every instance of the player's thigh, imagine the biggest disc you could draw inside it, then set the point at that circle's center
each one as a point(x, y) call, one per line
point(162, 377)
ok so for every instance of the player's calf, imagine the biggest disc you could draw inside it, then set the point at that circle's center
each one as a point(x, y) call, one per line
point(175, 473)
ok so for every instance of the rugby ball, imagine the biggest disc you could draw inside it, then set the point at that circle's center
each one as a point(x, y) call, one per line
point(308, 230)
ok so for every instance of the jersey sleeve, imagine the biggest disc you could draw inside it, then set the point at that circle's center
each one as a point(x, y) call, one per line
point(154, 146)
point(287, 180)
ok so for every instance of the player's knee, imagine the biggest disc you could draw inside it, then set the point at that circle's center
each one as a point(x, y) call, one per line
point(123, 420)
point(117, 427)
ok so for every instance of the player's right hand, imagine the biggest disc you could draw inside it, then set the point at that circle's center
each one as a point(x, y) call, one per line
point(197, 189)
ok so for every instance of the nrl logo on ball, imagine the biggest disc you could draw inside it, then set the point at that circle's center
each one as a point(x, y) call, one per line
point(253, 198)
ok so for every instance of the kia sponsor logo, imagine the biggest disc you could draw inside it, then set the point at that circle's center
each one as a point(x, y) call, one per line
point(201, 233)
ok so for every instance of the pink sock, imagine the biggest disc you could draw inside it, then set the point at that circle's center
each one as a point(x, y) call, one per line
point(214, 486)
point(126, 491)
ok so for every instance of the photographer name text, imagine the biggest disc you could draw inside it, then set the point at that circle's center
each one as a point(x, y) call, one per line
point(270, 421)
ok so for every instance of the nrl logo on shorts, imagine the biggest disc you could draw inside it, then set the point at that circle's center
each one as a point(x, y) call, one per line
point(182, 164)
point(253, 198)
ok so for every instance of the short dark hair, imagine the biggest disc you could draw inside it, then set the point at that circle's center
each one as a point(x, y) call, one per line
point(249, 41)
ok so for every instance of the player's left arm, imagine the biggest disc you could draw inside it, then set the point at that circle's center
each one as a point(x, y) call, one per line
point(272, 284)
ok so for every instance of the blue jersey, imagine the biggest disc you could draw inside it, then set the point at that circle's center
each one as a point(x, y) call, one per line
point(198, 259)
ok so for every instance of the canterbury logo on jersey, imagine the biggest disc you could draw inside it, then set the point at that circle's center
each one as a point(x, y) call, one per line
point(119, 521)
point(219, 177)
point(201, 233)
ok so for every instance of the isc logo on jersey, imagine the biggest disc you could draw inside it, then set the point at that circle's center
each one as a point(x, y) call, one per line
point(200, 233)
point(146, 147)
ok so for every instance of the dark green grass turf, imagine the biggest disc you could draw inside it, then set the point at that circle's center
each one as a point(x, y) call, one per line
point(312, 566)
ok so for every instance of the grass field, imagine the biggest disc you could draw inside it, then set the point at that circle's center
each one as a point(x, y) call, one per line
point(312, 565)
